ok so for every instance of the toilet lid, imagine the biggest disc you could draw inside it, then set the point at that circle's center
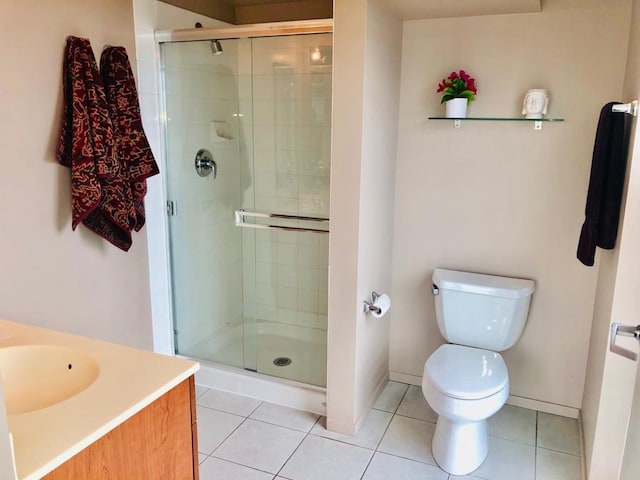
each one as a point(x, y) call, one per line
point(466, 372)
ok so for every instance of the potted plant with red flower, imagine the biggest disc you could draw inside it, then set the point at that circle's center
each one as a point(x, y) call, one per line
point(459, 89)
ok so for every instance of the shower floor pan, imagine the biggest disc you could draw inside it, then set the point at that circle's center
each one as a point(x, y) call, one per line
point(305, 347)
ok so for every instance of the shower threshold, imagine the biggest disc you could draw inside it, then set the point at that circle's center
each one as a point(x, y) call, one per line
point(288, 393)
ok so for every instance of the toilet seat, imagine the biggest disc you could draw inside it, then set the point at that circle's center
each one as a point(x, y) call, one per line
point(466, 373)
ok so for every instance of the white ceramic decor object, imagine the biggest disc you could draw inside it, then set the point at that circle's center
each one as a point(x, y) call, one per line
point(456, 108)
point(535, 103)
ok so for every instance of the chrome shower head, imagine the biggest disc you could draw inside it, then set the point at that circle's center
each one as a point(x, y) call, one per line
point(216, 47)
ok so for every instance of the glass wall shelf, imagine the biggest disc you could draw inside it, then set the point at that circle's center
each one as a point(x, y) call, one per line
point(537, 122)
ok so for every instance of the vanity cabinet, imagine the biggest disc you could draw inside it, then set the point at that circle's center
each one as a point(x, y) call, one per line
point(159, 442)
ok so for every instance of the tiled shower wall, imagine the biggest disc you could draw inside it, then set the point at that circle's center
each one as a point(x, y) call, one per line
point(286, 272)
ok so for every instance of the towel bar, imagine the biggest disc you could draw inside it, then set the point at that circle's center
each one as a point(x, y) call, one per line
point(631, 108)
point(241, 214)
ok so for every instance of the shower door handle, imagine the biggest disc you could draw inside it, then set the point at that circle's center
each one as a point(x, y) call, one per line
point(241, 214)
point(626, 331)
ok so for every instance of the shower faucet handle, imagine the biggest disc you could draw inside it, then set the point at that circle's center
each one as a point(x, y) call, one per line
point(205, 164)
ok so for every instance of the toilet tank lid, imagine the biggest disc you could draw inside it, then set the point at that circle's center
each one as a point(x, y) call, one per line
point(483, 284)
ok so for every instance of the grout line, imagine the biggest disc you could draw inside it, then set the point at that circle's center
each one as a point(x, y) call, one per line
point(404, 395)
point(559, 451)
point(222, 411)
point(230, 433)
point(253, 411)
point(205, 458)
point(375, 450)
point(205, 391)
point(364, 472)
point(535, 451)
point(227, 437)
point(385, 432)
point(415, 460)
point(284, 426)
point(316, 422)
point(292, 454)
point(511, 440)
point(422, 420)
point(241, 464)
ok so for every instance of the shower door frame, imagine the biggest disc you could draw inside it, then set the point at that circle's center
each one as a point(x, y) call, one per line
point(277, 29)
point(163, 325)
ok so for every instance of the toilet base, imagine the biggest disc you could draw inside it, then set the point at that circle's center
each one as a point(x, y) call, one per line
point(460, 448)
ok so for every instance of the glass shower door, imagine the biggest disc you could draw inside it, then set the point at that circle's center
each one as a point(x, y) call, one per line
point(202, 105)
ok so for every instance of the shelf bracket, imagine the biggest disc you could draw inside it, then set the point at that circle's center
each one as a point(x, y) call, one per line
point(457, 123)
point(537, 125)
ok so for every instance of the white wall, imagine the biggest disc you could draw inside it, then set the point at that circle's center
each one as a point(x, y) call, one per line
point(349, 32)
point(379, 149)
point(169, 17)
point(51, 276)
point(501, 198)
point(366, 69)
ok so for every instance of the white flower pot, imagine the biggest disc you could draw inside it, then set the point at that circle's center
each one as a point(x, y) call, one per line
point(456, 108)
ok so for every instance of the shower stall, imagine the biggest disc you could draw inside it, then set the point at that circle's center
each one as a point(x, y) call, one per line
point(247, 142)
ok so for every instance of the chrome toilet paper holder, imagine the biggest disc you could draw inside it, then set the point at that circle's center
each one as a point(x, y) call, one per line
point(369, 305)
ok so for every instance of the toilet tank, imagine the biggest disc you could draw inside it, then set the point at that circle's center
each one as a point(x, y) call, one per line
point(479, 310)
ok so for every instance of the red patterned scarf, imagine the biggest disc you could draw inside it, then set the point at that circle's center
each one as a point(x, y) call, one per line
point(124, 108)
point(100, 190)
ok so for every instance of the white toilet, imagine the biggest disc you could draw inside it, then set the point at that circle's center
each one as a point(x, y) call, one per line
point(466, 381)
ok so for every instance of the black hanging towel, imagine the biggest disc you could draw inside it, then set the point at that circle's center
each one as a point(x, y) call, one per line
point(608, 167)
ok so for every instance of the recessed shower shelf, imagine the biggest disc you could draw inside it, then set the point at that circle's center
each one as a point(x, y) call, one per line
point(537, 122)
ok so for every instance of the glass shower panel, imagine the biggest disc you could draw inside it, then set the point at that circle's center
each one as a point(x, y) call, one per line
point(202, 108)
point(292, 142)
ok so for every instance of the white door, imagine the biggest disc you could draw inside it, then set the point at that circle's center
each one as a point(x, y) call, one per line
point(611, 407)
point(631, 459)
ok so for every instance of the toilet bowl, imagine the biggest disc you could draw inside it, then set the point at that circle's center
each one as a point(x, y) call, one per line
point(466, 381)
point(464, 386)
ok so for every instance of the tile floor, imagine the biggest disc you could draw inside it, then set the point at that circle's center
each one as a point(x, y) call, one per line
point(241, 438)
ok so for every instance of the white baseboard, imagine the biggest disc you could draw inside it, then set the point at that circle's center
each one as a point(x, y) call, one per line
point(405, 378)
point(353, 428)
point(372, 399)
point(514, 400)
point(341, 427)
point(583, 457)
point(541, 406)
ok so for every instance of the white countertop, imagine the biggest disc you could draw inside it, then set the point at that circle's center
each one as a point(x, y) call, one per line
point(129, 379)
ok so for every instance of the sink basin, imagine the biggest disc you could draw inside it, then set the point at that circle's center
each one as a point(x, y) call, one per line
point(38, 376)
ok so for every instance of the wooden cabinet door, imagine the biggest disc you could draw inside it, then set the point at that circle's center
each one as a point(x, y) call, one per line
point(157, 443)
